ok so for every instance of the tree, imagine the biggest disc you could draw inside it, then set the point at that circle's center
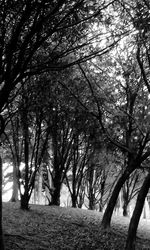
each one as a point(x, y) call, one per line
point(62, 139)
point(34, 37)
point(129, 136)
point(1, 230)
point(134, 140)
point(121, 114)
point(100, 176)
point(61, 120)
point(13, 145)
point(2, 127)
point(130, 189)
point(131, 238)
point(79, 159)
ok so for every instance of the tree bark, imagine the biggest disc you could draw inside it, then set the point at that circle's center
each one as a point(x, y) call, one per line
point(74, 200)
point(125, 196)
point(40, 181)
point(91, 195)
point(2, 247)
point(14, 197)
point(131, 238)
point(56, 192)
point(56, 197)
point(125, 209)
point(113, 199)
point(25, 197)
point(91, 200)
point(24, 204)
point(81, 200)
point(101, 205)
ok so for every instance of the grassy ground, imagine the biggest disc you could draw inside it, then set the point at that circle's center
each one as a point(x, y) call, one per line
point(56, 228)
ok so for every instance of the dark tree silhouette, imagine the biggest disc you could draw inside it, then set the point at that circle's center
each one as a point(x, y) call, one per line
point(36, 35)
point(131, 238)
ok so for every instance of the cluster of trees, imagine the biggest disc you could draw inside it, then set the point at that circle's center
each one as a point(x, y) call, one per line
point(74, 101)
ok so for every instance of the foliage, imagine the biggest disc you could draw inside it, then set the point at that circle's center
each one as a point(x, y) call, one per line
point(74, 92)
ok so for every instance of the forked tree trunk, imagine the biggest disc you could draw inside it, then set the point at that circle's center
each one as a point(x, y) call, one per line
point(131, 238)
point(113, 199)
point(1, 229)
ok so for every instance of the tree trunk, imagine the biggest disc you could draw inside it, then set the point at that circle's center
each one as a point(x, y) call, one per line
point(113, 199)
point(81, 200)
point(125, 197)
point(24, 204)
point(40, 181)
point(100, 207)
point(1, 229)
point(56, 197)
point(125, 209)
point(25, 197)
point(91, 194)
point(56, 192)
point(91, 200)
point(131, 238)
point(74, 200)
point(15, 188)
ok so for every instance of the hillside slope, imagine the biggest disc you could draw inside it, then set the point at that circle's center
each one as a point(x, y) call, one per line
point(57, 228)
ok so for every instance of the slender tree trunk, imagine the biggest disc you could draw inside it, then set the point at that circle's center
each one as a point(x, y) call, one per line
point(14, 197)
point(25, 197)
point(1, 229)
point(113, 199)
point(131, 238)
point(74, 183)
point(125, 209)
point(91, 200)
point(40, 180)
point(91, 194)
point(101, 195)
point(125, 196)
point(100, 207)
point(81, 200)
